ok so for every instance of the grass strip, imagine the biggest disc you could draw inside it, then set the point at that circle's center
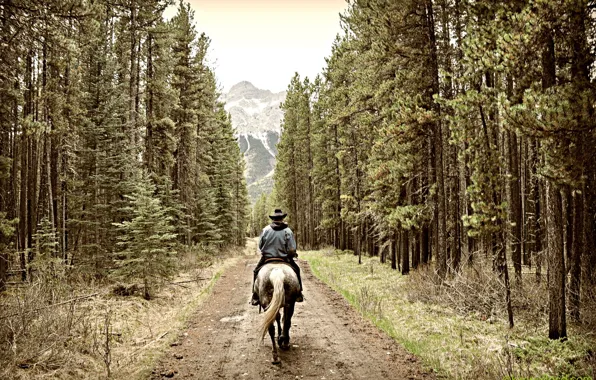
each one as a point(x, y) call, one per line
point(452, 345)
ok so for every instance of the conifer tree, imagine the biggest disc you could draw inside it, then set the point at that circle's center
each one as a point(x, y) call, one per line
point(184, 115)
point(147, 249)
point(443, 129)
point(92, 93)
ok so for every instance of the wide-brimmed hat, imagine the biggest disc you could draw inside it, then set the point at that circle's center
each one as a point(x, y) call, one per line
point(278, 215)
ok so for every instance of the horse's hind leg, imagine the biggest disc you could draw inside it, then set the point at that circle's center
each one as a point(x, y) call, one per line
point(278, 320)
point(272, 335)
point(284, 337)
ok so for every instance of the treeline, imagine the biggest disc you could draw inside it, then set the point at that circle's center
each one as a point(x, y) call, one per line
point(259, 217)
point(114, 147)
point(442, 130)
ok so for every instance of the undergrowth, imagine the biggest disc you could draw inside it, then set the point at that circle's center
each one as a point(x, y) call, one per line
point(64, 327)
point(459, 328)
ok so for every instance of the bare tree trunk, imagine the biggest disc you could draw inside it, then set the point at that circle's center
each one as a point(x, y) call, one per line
point(577, 249)
point(516, 214)
point(501, 255)
point(393, 250)
point(405, 252)
point(415, 234)
point(416, 249)
point(441, 252)
point(132, 89)
point(590, 231)
point(23, 204)
point(538, 204)
point(557, 324)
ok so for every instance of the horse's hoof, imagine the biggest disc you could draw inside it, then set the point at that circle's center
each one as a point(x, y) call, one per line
point(276, 361)
point(283, 342)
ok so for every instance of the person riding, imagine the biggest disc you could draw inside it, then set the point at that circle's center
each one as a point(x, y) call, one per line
point(277, 243)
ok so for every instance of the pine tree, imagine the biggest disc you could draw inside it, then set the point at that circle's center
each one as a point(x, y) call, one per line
point(442, 129)
point(92, 93)
point(147, 249)
point(185, 83)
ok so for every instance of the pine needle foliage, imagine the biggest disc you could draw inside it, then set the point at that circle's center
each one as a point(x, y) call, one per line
point(147, 242)
point(443, 130)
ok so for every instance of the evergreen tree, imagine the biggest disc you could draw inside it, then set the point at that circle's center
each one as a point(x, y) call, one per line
point(147, 249)
point(92, 93)
point(442, 129)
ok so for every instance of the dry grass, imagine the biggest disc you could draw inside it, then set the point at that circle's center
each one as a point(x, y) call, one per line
point(477, 290)
point(459, 328)
point(47, 332)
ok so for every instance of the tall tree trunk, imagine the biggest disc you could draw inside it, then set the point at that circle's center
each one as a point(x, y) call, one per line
point(132, 89)
point(23, 203)
point(393, 253)
point(416, 249)
point(393, 250)
point(441, 252)
point(150, 113)
point(584, 150)
point(557, 324)
point(576, 255)
point(537, 202)
point(516, 214)
point(405, 252)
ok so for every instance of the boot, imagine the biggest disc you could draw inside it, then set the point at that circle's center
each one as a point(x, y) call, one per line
point(299, 297)
point(255, 299)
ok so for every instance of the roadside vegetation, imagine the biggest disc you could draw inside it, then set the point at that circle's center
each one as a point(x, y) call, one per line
point(459, 328)
point(70, 329)
point(121, 184)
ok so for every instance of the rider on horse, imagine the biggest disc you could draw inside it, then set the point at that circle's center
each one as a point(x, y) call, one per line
point(277, 244)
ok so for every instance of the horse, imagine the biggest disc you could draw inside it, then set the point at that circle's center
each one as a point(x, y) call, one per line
point(277, 286)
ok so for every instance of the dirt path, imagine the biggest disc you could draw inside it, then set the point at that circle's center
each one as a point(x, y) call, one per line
point(329, 340)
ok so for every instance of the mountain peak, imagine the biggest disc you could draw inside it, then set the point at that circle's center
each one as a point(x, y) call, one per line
point(245, 89)
point(257, 117)
point(243, 86)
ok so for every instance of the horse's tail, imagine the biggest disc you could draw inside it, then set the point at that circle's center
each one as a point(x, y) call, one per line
point(277, 278)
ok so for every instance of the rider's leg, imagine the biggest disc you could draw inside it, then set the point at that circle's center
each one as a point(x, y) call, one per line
point(297, 270)
point(293, 264)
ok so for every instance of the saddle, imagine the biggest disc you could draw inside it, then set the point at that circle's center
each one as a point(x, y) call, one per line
point(276, 260)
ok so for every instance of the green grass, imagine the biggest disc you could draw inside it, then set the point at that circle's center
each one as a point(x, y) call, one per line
point(452, 345)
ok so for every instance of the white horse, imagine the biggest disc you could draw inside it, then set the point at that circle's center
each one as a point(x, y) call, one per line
point(277, 286)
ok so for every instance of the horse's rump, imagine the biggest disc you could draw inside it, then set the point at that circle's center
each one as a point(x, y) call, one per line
point(277, 286)
point(264, 286)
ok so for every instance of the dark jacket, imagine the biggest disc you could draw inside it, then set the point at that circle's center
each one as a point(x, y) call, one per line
point(277, 240)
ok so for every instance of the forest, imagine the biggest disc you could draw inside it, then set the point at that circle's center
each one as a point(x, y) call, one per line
point(453, 134)
point(113, 144)
point(450, 144)
point(118, 163)
point(116, 160)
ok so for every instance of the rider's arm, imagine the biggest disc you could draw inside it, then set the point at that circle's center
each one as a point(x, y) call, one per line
point(260, 245)
point(292, 245)
point(261, 242)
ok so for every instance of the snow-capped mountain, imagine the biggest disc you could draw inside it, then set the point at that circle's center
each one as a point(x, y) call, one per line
point(257, 116)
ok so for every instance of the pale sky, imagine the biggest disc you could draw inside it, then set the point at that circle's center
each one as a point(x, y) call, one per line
point(266, 41)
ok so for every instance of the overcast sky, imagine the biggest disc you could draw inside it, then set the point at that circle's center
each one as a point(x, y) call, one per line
point(266, 41)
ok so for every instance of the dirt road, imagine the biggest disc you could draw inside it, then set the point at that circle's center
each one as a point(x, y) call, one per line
point(329, 340)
